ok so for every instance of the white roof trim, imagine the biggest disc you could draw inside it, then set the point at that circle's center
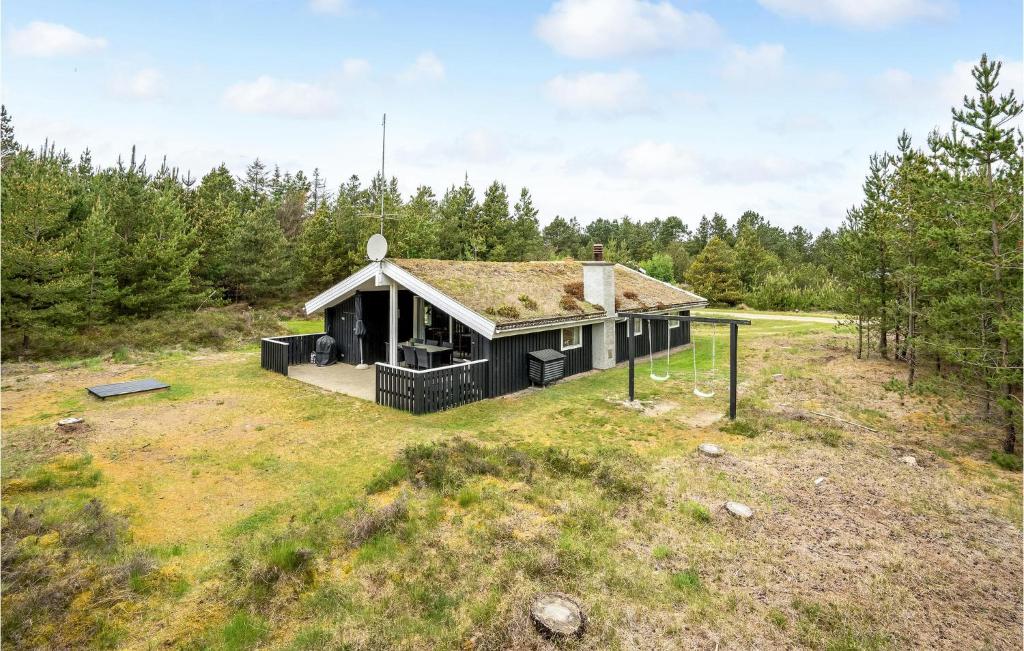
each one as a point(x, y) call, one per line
point(550, 325)
point(340, 291)
point(475, 321)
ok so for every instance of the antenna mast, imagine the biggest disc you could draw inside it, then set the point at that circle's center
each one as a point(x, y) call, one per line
point(383, 138)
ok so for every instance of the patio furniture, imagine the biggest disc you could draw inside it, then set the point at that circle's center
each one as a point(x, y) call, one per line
point(433, 342)
point(436, 356)
point(417, 340)
point(409, 356)
point(422, 358)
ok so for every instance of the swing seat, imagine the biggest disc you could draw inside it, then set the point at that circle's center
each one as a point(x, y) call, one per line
point(703, 394)
point(659, 378)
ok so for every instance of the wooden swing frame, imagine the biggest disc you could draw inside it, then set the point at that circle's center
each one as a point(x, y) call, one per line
point(734, 336)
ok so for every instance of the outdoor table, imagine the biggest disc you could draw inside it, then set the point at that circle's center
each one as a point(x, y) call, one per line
point(442, 354)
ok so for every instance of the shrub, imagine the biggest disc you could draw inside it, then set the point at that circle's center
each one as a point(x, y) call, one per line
point(1007, 461)
point(63, 573)
point(508, 312)
point(527, 302)
point(569, 304)
point(369, 523)
point(575, 290)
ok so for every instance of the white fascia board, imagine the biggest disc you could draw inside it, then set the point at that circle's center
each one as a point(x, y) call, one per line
point(551, 325)
point(338, 293)
point(434, 296)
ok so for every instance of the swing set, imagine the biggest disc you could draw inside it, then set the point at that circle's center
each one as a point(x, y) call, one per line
point(708, 392)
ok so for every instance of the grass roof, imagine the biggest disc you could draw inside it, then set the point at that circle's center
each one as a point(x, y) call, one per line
point(518, 293)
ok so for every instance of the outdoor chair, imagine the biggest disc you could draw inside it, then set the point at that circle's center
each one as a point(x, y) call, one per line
point(422, 358)
point(409, 356)
point(433, 342)
point(417, 340)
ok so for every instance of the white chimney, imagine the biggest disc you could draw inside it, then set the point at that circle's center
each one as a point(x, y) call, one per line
point(599, 289)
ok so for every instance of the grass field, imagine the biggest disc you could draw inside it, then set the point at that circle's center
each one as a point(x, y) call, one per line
point(241, 509)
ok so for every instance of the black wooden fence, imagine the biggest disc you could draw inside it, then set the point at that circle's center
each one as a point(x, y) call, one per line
point(278, 353)
point(424, 392)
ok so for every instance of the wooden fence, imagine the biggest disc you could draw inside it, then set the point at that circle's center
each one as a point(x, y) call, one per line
point(430, 390)
point(278, 353)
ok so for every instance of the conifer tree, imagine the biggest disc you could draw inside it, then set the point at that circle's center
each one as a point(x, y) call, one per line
point(96, 257)
point(713, 274)
point(37, 285)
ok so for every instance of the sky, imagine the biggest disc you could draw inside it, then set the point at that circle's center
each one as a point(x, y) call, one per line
point(602, 108)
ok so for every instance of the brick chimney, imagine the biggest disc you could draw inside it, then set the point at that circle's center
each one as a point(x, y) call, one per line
point(599, 289)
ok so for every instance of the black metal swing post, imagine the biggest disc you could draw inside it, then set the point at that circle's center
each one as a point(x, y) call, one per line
point(734, 336)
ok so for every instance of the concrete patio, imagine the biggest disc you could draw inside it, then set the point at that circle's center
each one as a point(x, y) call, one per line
point(340, 378)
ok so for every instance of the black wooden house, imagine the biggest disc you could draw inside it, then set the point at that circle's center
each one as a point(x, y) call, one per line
point(491, 315)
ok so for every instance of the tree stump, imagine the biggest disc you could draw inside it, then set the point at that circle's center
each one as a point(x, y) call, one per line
point(557, 615)
point(741, 511)
point(70, 424)
point(710, 450)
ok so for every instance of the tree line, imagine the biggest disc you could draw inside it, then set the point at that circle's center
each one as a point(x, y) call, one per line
point(86, 245)
point(931, 266)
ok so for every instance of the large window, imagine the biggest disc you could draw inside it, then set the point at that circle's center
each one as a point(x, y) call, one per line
point(572, 337)
point(638, 326)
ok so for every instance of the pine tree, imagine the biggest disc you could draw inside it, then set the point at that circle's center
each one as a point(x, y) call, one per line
point(415, 234)
point(495, 227)
point(38, 286)
point(257, 256)
point(989, 221)
point(524, 242)
point(459, 216)
point(159, 262)
point(96, 257)
point(713, 274)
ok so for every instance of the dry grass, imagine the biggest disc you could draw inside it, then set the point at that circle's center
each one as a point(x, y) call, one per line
point(546, 284)
point(283, 516)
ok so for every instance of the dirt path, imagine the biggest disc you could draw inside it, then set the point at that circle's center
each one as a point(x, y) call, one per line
point(770, 317)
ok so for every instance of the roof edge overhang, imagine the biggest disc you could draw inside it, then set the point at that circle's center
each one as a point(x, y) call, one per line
point(342, 290)
point(348, 286)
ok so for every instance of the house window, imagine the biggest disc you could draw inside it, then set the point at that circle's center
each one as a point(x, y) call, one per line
point(572, 337)
point(638, 326)
point(673, 324)
point(428, 315)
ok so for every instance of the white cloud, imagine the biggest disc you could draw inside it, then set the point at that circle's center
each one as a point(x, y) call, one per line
point(589, 29)
point(40, 39)
point(282, 97)
point(332, 7)
point(602, 93)
point(938, 94)
point(355, 68)
point(757, 64)
point(861, 14)
point(426, 67)
point(650, 159)
point(148, 83)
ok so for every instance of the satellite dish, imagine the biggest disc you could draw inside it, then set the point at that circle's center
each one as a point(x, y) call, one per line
point(376, 247)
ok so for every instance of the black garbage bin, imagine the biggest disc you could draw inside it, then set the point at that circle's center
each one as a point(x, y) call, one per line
point(546, 366)
point(326, 353)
